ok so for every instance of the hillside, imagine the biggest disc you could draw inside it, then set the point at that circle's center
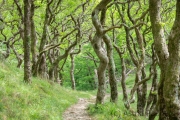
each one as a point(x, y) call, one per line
point(40, 100)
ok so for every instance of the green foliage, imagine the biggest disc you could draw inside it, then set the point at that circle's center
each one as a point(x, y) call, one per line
point(84, 71)
point(41, 100)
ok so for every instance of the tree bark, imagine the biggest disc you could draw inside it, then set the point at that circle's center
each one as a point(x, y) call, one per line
point(111, 65)
point(140, 74)
point(161, 50)
point(27, 40)
point(152, 98)
point(171, 83)
point(33, 39)
point(19, 57)
point(53, 72)
point(42, 66)
point(123, 78)
point(168, 91)
point(111, 69)
point(97, 42)
point(44, 39)
point(73, 86)
point(137, 59)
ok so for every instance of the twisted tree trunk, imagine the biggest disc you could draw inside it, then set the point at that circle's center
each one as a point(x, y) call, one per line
point(111, 69)
point(97, 43)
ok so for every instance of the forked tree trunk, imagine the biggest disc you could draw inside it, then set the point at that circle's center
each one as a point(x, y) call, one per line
point(53, 71)
point(42, 57)
point(111, 65)
point(138, 60)
point(99, 50)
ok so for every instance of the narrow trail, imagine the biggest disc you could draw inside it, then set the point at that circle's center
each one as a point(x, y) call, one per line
point(79, 110)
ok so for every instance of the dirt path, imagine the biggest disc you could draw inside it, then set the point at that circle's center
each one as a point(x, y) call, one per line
point(79, 110)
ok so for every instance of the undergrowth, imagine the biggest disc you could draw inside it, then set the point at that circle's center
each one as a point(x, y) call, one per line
point(111, 111)
point(40, 100)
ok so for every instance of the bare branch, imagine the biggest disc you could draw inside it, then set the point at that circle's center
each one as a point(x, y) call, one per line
point(137, 25)
point(139, 83)
point(113, 27)
point(52, 47)
point(19, 10)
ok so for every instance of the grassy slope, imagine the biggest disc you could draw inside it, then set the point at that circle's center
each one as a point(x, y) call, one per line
point(37, 101)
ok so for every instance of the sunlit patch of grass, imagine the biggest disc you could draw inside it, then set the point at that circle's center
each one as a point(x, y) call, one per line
point(111, 111)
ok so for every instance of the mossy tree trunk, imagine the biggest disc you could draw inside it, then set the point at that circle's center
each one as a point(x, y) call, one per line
point(111, 69)
point(33, 39)
point(111, 65)
point(97, 43)
point(27, 40)
point(161, 50)
point(171, 82)
point(168, 91)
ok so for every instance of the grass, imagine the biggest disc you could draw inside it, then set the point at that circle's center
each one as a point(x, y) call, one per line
point(37, 101)
point(43, 100)
point(111, 111)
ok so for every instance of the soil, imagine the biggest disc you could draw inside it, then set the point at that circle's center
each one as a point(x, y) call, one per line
point(79, 110)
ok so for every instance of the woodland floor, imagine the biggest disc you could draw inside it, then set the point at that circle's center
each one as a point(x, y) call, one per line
point(79, 110)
